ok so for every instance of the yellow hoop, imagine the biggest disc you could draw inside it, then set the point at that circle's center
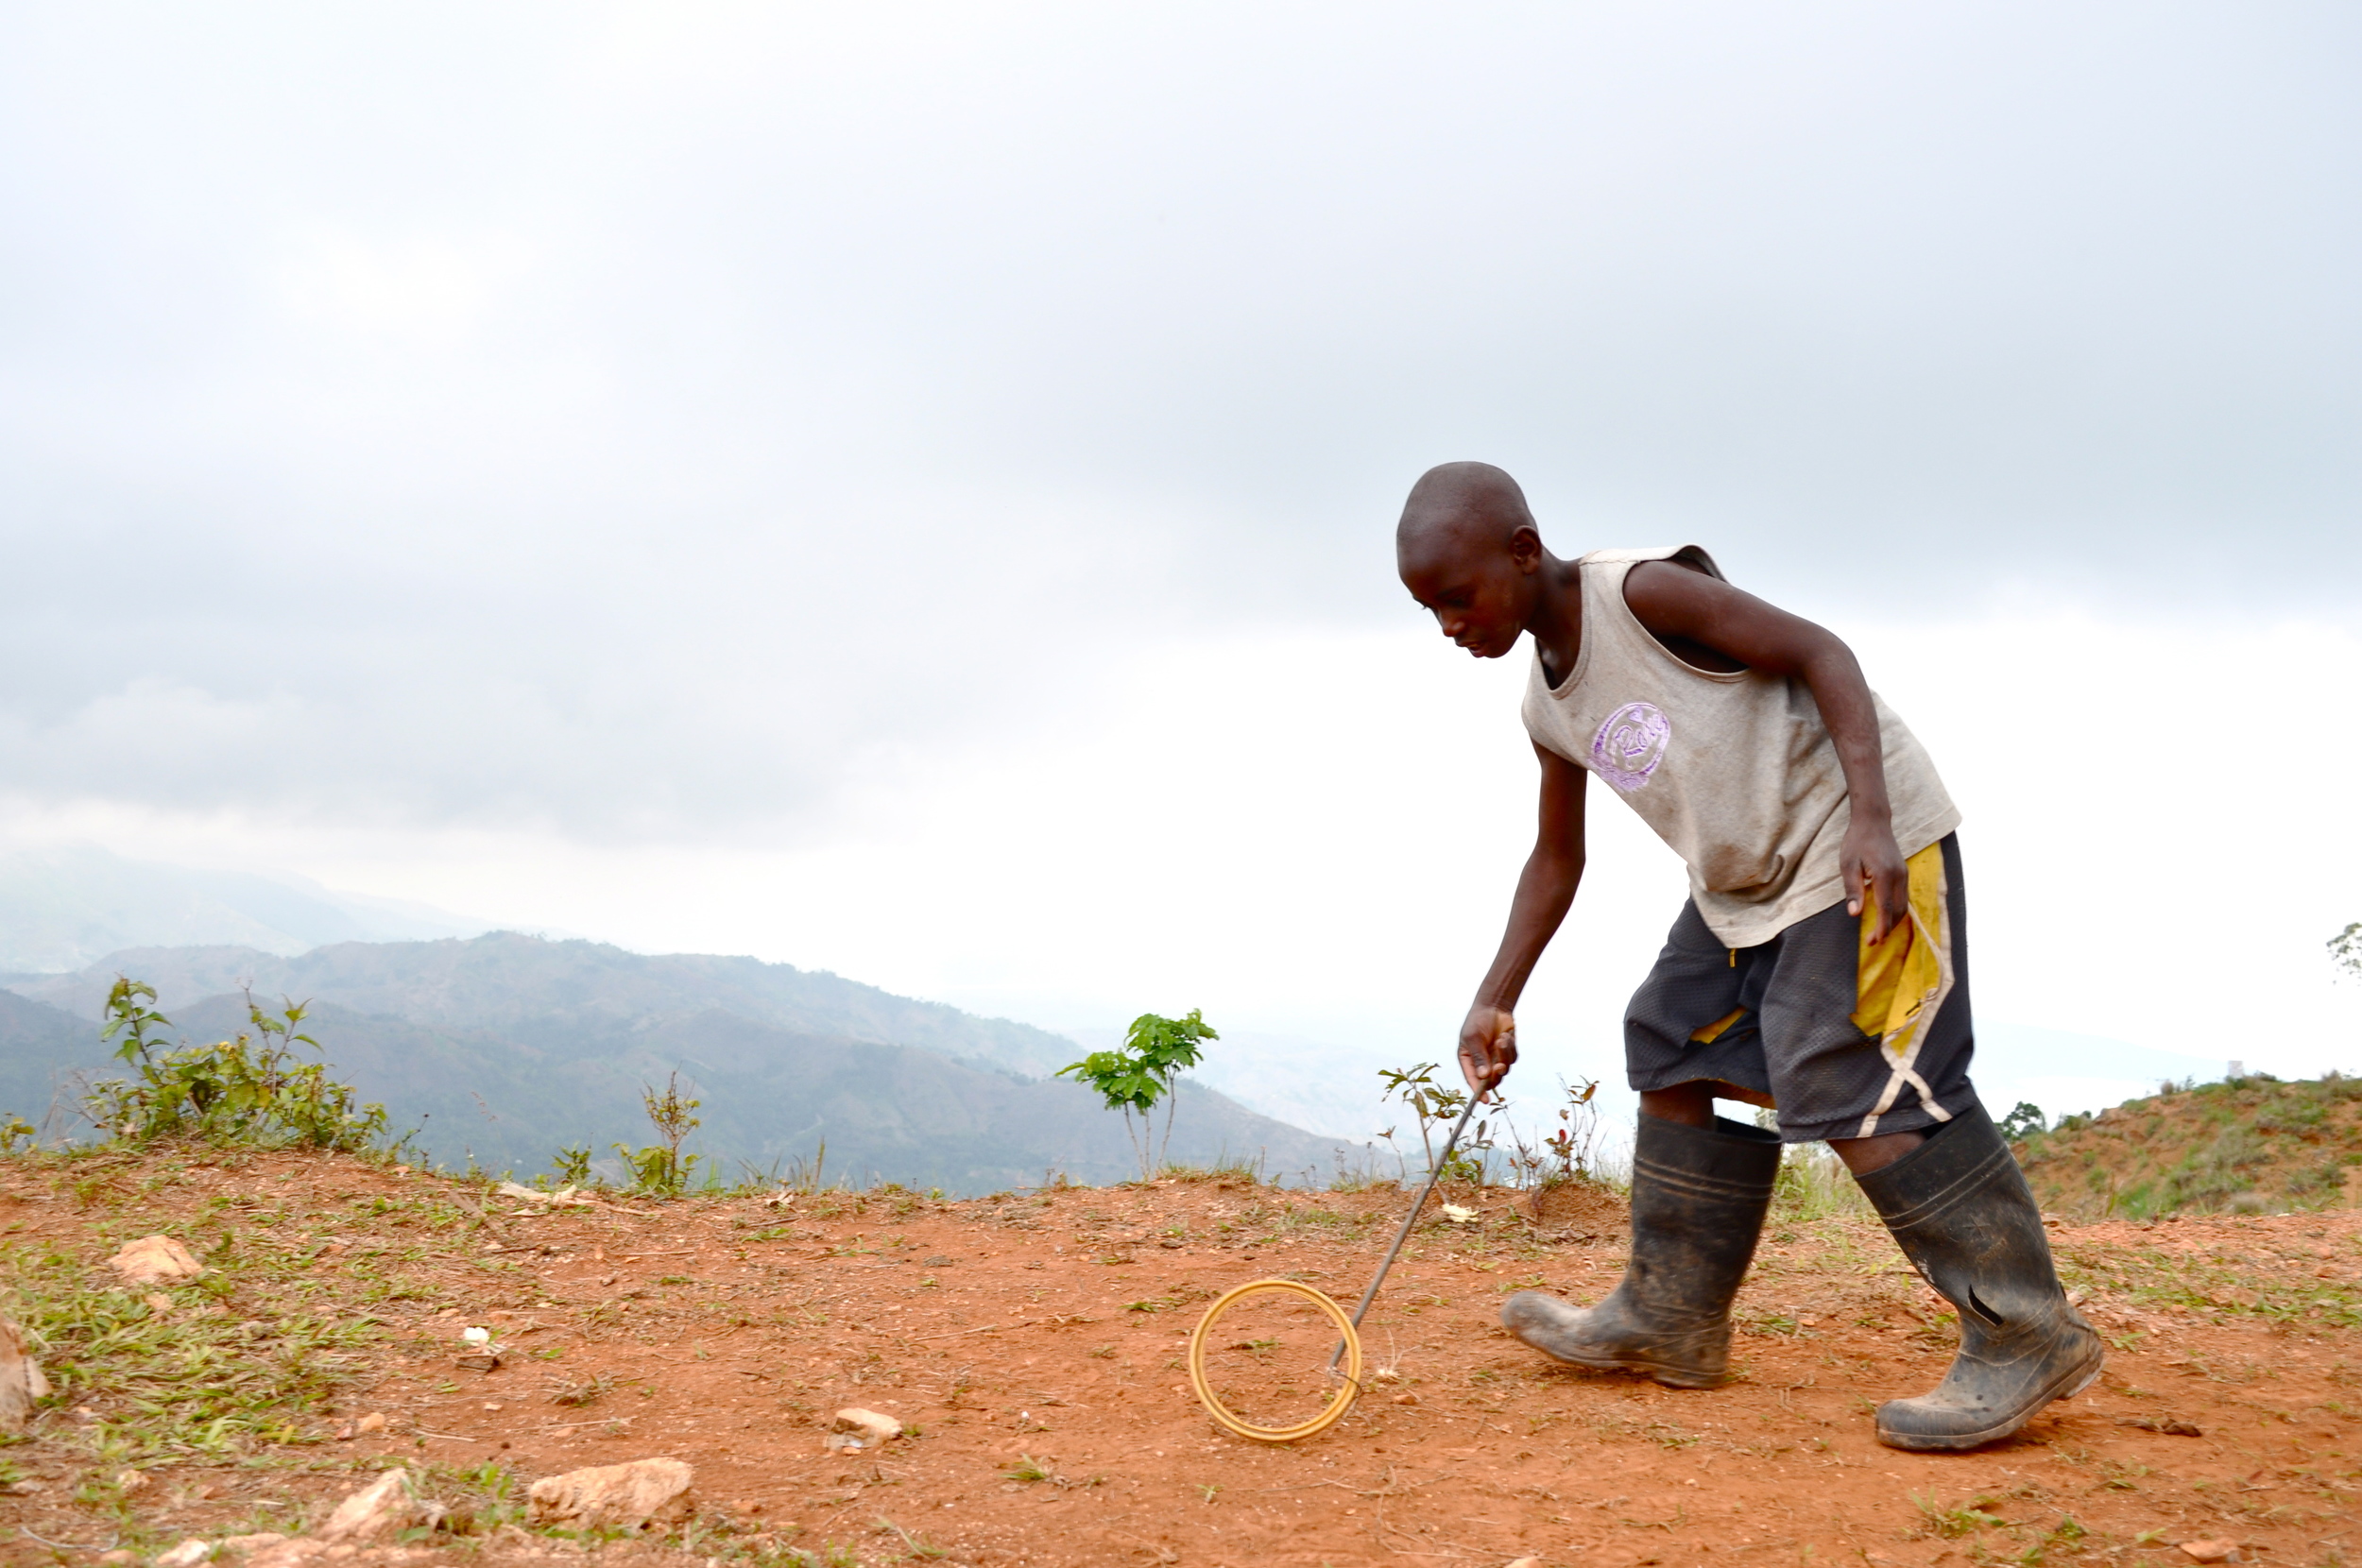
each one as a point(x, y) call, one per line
point(1349, 1373)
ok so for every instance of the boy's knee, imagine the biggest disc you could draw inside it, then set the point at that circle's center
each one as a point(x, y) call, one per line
point(1691, 1104)
point(1864, 1155)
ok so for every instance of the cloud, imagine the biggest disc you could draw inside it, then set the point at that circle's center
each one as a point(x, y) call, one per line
point(660, 428)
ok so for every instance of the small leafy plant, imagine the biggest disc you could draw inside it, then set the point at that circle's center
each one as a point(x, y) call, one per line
point(1138, 1075)
point(1578, 1128)
point(573, 1165)
point(248, 1090)
point(660, 1170)
point(1437, 1106)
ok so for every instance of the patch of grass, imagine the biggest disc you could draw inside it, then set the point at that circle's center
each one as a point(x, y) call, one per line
point(2247, 1145)
point(195, 1380)
point(1813, 1184)
point(588, 1392)
point(1954, 1523)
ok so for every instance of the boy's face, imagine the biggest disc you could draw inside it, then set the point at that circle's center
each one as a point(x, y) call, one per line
point(1479, 592)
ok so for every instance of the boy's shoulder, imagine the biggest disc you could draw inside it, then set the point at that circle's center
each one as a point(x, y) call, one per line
point(1690, 555)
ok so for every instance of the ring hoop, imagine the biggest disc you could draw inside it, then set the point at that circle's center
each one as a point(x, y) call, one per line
point(1348, 1375)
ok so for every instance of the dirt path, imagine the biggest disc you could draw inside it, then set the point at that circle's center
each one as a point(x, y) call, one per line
point(1034, 1345)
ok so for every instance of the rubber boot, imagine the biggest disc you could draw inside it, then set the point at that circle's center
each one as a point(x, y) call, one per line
point(1961, 1211)
point(1698, 1200)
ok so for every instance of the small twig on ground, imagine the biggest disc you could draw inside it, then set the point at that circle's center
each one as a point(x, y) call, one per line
point(65, 1546)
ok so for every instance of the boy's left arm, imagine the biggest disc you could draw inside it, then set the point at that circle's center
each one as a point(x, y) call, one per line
point(1682, 605)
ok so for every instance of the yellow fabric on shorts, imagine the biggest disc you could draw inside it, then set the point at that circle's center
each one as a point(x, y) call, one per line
point(1713, 1031)
point(1899, 977)
point(1895, 980)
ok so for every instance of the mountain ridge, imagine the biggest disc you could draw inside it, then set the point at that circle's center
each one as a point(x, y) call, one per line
point(64, 906)
point(501, 1049)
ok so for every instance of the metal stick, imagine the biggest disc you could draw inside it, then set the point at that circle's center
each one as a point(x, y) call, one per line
point(1408, 1221)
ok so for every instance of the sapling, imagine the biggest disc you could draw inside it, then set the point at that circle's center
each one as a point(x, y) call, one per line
point(1135, 1077)
point(1436, 1106)
point(660, 1170)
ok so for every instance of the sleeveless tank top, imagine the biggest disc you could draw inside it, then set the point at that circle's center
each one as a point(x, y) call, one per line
point(1735, 771)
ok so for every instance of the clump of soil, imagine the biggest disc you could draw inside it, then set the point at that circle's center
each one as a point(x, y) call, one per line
point(1579, 1210)
point(1031, 1346)
point(2249, 1145)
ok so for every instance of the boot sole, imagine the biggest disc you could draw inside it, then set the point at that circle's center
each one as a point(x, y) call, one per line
point(1953, 1442)
point(1671, 1376)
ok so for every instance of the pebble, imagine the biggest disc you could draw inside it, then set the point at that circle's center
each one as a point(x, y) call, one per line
point(870, 1426)
point(2211, 1551)
point(377, 1510)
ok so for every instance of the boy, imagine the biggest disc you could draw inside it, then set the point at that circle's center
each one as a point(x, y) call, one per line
point(1820, 966)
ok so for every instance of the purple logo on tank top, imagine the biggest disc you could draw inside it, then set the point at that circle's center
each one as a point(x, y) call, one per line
point(1631, 744)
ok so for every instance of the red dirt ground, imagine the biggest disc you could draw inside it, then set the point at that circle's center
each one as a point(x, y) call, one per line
point(1049, 1327)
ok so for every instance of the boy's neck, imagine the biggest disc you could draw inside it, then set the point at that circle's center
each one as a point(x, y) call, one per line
point(1555, 620)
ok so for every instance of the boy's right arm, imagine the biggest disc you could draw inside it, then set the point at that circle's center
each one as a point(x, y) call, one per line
point(1488, 1043)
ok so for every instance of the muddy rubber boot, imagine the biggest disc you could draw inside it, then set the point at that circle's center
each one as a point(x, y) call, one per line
point(1698, 1200)
point(1961, 1211)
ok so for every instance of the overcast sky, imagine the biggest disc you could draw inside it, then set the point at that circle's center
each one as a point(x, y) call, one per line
point(908, 488)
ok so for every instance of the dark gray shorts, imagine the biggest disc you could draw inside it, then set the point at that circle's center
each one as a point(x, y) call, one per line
point(1796, 1040)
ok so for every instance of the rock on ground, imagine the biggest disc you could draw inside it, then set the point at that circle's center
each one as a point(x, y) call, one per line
point(22, 1387)
point(614, 1496)
point(153, 1258)
point(869, 1426)
point(379, 1509)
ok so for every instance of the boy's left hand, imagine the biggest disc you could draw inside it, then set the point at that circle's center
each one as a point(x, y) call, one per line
point(1874, 861)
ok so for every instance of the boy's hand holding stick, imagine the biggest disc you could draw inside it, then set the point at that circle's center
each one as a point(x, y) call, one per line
point(1488, 1047)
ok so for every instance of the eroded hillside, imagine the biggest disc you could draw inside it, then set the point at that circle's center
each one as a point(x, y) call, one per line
point(1032, 1343)
point(2251, 1145)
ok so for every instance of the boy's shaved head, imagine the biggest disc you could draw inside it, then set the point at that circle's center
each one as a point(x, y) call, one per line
point(1468, 551)
point(1455, 505)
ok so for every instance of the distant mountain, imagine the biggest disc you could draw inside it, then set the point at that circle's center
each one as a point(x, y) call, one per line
point(541, 991)
point(504, 1048)
point(40, 1048)
point(62, 908)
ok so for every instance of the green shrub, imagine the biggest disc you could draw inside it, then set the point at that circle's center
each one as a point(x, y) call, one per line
point(250, 1090)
